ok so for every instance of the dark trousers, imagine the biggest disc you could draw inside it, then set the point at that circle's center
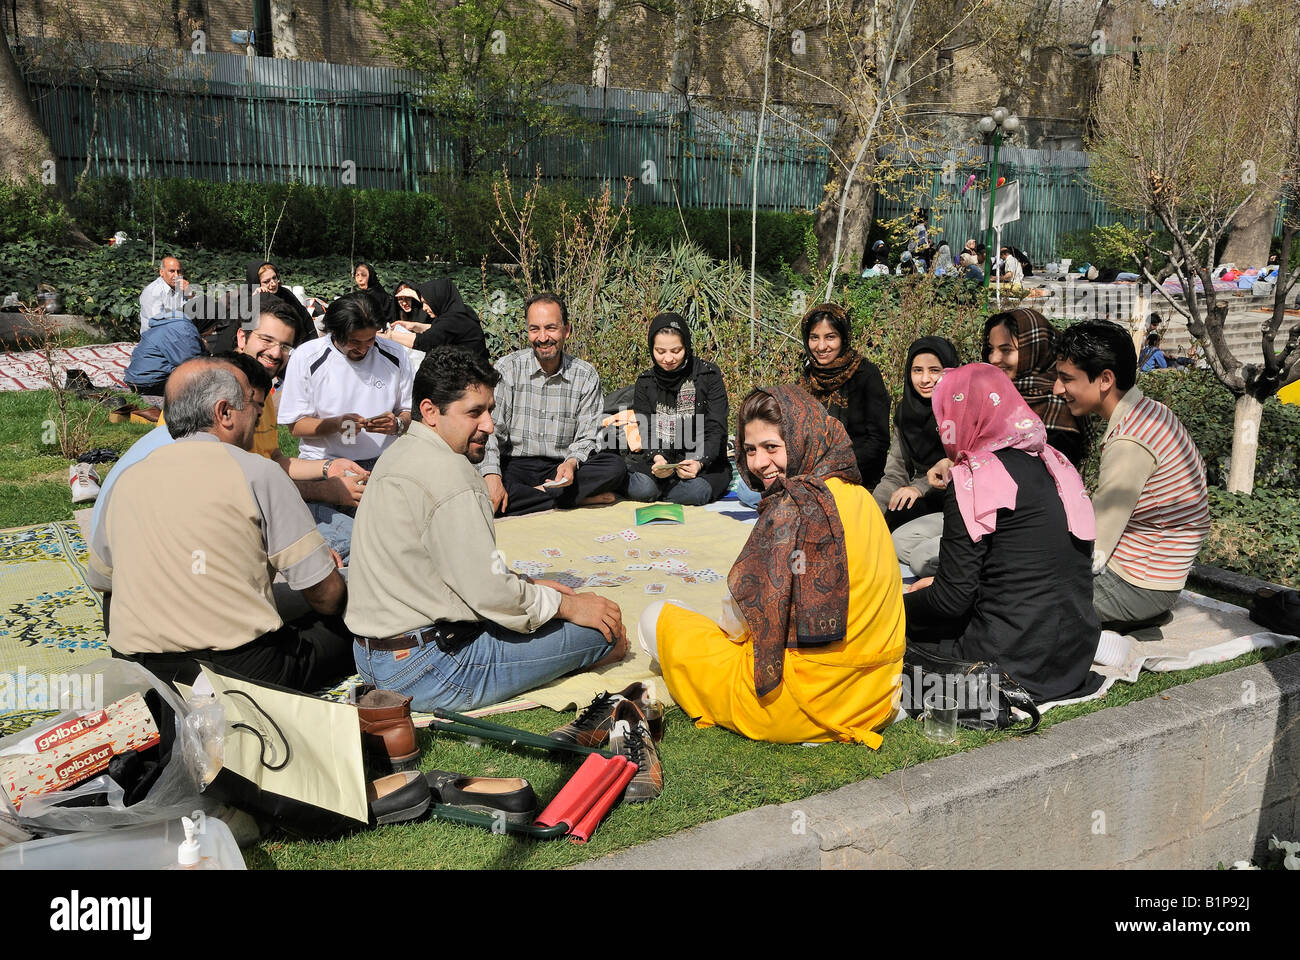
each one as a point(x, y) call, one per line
point(603, 472)
point(932, 502)
point(309, 654)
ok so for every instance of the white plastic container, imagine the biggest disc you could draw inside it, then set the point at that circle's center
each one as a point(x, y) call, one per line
point(151, 846)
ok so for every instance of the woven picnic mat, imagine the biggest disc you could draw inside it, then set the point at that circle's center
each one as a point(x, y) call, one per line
point(52, 620)
point(711, 541)
point(104, 363)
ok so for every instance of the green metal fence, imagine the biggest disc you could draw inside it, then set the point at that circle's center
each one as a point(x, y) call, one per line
point(389, 141)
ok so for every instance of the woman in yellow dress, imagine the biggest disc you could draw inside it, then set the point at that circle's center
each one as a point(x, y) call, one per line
point(810, 647)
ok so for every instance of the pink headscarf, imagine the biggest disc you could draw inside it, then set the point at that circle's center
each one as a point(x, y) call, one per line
point(978, 411)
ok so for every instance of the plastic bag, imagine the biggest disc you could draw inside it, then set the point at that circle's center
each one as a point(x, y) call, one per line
point(173, 794)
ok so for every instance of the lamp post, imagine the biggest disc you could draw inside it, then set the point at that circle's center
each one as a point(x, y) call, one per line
point(1001, 121)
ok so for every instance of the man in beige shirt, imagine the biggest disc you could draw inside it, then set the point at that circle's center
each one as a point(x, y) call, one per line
point(437, 614)
point(191, 535)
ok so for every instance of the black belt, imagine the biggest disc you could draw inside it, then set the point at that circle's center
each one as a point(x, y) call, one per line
point(449, 635)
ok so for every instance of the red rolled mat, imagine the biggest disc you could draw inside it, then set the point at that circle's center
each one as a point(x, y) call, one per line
point(584, 788)
point(587, 825)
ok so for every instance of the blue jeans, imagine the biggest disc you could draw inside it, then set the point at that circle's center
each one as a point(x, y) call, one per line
point(495, 666)
point(695, 492)
point(747, 496)
point(335, 525)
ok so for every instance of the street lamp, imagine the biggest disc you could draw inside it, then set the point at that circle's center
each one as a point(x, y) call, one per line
point(1002, 122)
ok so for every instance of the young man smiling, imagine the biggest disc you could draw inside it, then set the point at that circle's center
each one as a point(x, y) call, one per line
point(1151, 500)
point(543, 452)
point(436, 613)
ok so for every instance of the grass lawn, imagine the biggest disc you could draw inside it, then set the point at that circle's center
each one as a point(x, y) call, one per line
point(710, 773)
point(34, 474)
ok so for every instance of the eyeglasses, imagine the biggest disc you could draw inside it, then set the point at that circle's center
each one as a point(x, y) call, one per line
point(266, 341)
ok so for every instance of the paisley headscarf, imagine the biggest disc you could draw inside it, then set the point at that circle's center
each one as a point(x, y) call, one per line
point(798, 529)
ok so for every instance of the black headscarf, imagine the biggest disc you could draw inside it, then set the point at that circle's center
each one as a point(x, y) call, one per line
point(306, 328)
point(383, 302)
point(671, 380)
point(914, 417)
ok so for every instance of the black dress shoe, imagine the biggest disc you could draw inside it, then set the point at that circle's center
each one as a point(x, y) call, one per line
point(397, 797)
point(509, 797)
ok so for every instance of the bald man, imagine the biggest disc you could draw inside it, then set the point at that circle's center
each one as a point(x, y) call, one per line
point(166, 296)
point(190, 538)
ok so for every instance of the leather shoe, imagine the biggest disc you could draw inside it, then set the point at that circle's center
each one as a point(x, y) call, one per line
point(387, 732)
point(509, 797)
point(592, 727)
point(638, 746)
point(398, 797)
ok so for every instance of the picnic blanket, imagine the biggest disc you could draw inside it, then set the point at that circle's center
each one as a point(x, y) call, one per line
point(711, 541)
point(1203, 630)
point(104, 362)
point(52, 620)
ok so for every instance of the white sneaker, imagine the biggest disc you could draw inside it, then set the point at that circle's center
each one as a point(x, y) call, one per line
point(84, 482)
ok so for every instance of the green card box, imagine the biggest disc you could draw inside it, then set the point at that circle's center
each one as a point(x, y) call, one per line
point(661, 513)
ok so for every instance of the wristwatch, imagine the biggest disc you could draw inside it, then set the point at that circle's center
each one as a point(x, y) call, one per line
point(325, 468)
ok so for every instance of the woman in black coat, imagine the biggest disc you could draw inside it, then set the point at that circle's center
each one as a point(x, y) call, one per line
point(849, 386)
point(1014, 583)
point(264, 280)
point(681, 409)
point(367, 281)
point(433, 315)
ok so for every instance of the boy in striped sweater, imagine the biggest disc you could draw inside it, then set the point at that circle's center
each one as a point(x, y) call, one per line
point(1151, 500)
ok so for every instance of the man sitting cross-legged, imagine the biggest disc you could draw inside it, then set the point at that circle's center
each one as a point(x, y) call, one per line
point(543, 453)
point(347, 397)
point(1151, 501)
point(437, 614)
point(190, 536)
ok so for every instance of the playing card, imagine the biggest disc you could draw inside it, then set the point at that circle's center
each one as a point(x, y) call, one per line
point(601, 558)
point(629, 535)
point(569, 580)
point(621, 578)
point(655, 588)
point(689, 578)
point(675, 552)
point(600, 581)
point(708, 575)
point(655, 553)
point(606, 537)
point(552, 552)
point(637, 566)
point(632, 554)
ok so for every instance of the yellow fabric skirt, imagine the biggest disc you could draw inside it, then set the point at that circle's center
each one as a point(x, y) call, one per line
point(846, 691)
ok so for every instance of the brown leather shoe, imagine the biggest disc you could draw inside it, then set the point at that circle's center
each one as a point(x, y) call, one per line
point(638, 746)
point(591, 728)
point(387, 732)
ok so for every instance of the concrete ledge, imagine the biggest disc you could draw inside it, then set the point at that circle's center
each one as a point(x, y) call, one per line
point(1203, 773)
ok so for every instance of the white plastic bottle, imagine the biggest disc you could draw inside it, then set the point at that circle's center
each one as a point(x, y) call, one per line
point(188, 856)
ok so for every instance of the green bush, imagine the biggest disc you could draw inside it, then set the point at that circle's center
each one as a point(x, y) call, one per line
point(1258, 535)
point(31, 211)
point(1206, 409)
point(450, 221)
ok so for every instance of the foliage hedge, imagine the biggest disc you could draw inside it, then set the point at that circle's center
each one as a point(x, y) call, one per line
point(452, 222)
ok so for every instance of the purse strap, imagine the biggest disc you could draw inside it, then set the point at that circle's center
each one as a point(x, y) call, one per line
point(288, 753)
point(1017, 697)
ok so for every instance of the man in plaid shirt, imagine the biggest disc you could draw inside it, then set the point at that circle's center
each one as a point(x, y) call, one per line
point(548, 410)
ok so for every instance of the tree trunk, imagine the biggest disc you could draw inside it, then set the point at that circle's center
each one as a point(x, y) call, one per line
point(27, 148)
point(1252, 233)
point(859, 204)
point(683, 59)
point(1245, 444)
point(600, 59)
point(282, 30)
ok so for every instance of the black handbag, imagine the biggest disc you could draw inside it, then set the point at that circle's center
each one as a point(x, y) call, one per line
point(984, 694)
